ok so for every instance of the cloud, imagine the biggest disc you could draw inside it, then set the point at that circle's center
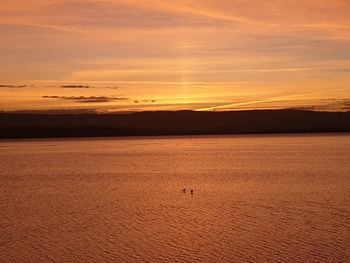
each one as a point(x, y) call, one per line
point(89, 99)
point(86, 87)
point(342, 104)
point(75, 87)
point(144, 101)
point(329, 105)
point(346, 106)
point(12, 86)
point(55, 111)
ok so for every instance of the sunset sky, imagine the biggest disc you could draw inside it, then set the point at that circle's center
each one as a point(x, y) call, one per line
point(133, 55)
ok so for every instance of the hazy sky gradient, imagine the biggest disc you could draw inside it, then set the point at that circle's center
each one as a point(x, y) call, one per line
point(165, 54)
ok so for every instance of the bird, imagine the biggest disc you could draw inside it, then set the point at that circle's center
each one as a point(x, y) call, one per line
point(191, 191)
point(184, 190)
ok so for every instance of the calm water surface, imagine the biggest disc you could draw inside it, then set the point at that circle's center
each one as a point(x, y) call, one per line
point(273, 198)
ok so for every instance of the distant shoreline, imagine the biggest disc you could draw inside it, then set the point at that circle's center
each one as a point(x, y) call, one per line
point(165, 137)
point(338, 133)
point(168, 123)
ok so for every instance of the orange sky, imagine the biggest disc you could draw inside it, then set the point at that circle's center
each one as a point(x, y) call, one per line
point(114, 55)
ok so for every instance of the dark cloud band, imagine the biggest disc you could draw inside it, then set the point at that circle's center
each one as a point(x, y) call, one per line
point(89, 99)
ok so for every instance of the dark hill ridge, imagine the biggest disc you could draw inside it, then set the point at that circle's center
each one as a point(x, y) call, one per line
point(14, 125)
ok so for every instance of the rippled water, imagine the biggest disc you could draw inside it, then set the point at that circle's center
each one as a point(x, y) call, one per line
point(256, 199)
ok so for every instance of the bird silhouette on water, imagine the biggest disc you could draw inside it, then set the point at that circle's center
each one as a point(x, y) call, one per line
point(184, 191)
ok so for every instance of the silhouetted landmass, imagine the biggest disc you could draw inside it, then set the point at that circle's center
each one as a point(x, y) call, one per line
point(14, 125)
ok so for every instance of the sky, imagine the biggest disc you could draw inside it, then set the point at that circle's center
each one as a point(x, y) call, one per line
point(136, 55)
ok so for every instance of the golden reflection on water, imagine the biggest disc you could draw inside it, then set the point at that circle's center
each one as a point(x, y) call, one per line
point(256, 199)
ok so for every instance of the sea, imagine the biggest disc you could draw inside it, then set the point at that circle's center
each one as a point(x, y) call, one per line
point(254, 198)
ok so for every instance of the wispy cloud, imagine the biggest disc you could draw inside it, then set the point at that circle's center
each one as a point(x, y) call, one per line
point(56, 111)
point(75, 87)
point(144, 101)
point(89, 99)
point(12, 86)
point(88, 87)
